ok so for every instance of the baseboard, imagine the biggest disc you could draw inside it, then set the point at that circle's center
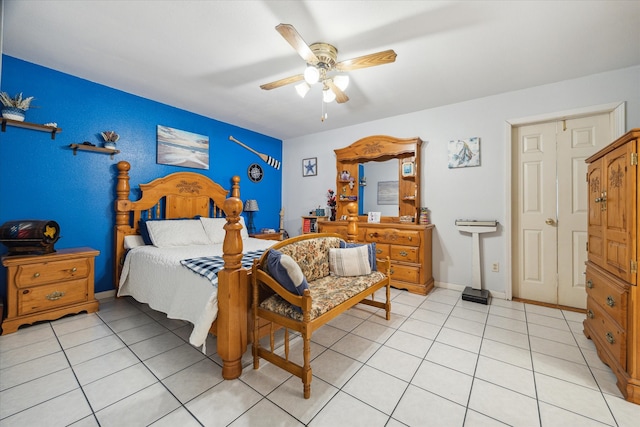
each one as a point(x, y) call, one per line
point(106, 294)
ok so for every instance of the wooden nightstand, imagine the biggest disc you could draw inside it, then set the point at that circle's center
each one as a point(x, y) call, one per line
point(267, 236)
point(47, 287)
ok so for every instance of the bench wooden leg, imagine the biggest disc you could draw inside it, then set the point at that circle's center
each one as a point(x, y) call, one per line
point(306, 367)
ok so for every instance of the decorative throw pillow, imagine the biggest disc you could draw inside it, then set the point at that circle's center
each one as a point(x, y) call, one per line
point(349, 261)
point(214, 228)
point(287, 272)
point(177, 233)
point(372, 252)
point(144, 230)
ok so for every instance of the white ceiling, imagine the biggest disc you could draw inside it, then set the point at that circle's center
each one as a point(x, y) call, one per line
point(210, 57)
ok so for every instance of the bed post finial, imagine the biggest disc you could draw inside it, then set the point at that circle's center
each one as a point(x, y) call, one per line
point(235, 187)
point(122, 193)
point(352, 224)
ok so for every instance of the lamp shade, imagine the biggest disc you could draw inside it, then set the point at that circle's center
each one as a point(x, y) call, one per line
point(311, 74)
point(251, 205)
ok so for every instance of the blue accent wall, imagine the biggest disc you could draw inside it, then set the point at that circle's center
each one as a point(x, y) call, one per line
point(40, 178)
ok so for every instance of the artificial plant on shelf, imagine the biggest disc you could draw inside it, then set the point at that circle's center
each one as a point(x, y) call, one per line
point(16, 107)
point(331, 202)
point(110, 138)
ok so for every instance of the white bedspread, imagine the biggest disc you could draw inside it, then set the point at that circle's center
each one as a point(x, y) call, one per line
point(155, 276)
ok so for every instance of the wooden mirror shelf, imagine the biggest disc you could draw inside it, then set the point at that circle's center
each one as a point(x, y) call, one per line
point(406, 243)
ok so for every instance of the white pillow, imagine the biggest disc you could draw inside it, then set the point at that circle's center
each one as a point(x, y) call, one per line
point(133, 241)
point(177, 233)
point(243, 233)
point(214, 228)
point(349, 261)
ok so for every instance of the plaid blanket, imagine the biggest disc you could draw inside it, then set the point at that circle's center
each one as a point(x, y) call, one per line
point(209, 266)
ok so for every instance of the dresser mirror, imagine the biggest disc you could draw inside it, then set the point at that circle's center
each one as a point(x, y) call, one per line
point(378, 161)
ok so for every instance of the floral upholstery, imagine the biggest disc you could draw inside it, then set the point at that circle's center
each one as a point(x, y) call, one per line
point(312, 255)
point(326, 293)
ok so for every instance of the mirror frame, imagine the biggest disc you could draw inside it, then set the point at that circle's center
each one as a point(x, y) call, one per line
point(378, 148)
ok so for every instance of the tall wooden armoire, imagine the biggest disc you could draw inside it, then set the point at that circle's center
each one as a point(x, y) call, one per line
point(613, 297)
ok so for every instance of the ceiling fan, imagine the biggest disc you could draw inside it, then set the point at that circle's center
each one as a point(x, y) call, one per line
point(322, 62)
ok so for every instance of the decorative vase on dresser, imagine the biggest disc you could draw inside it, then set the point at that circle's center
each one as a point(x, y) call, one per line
point(613, 297)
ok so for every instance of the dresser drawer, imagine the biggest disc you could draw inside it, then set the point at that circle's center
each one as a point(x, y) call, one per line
point(392, 236)
point(382, 250)
point(45, 297)
point(608, 332)
point(405, 273)
point(404, 253)
point(54, 271)
point(611, 297)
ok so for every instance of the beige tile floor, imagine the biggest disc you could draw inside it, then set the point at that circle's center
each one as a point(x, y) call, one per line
point(440, 361)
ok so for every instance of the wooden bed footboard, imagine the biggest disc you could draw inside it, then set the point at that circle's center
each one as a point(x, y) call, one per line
point(185, 195)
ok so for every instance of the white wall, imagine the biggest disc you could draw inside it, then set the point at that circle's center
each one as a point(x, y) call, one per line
point(475, 192)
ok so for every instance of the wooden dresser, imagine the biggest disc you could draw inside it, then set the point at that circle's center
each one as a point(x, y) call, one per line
point(47, 287)
point(407, 245)
point(613, 300)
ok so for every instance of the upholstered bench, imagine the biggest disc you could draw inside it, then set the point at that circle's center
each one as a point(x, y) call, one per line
point(301, 283)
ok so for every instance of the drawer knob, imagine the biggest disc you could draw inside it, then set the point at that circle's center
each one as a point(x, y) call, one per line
point(403, 253)
point(590, 314)
point(55, 295)
point(36, 274)
point(391, 271)
point(410, 238)
point(378, 251)
point(73, 270)
point(610, 338)
point(610, 301)
point(589, 284)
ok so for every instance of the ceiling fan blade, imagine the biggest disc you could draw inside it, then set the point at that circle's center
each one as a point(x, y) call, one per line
point(340, 95)
point(282, 82)
point(380, 58)
point(297, 42)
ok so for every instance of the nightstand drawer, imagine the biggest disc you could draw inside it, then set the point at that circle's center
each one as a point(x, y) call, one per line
point(54, 271)
point(40, 298)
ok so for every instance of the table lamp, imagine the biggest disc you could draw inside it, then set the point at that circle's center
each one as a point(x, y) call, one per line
point(251, 206)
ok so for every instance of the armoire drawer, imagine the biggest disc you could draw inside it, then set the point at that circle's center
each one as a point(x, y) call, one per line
point(611, 297)
point(607, 331)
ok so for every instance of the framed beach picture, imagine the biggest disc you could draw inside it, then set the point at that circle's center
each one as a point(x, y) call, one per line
point(181, 148)
point(310, 166)
point(464, 153)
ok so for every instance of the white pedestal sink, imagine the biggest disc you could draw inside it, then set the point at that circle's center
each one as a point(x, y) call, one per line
point(475, 292)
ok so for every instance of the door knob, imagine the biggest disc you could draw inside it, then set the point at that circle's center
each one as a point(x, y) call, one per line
point(550, 221)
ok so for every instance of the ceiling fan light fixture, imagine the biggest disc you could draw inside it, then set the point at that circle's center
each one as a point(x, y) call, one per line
point(328, 95)
point(302, 89)
point(311, 74)
point(342, 81)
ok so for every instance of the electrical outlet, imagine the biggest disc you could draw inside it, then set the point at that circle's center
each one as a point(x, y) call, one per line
point(495, 267)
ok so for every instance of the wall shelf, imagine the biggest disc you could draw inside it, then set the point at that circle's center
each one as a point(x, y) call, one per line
point(32, 126)
point(82, 147)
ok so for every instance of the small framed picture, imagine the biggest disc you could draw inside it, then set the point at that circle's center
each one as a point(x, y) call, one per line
point(310, 166)
point(373, 217)
point(408, 169)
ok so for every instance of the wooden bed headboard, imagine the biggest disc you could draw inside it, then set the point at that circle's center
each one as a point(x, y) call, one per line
point(185, 195)
point(178, 195)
